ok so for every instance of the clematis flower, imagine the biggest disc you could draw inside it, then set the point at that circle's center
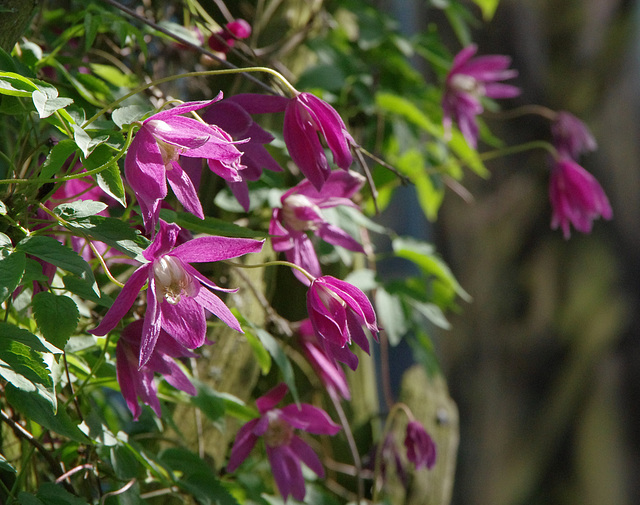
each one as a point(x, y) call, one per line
point(139, 382)
point(324, 362)
point(338, 310)
point(178, 294)
point(576, 197)
point(232, 117)
point(285, 449)
point(306, 117)
point(223, 40)
point(153, 157)
point(570, 136)
point(301, 212)
point(421, 449)
point(470, 79)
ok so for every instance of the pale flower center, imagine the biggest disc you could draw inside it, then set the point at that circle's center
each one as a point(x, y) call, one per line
point(289, 207)
point(467, 84)
point(279, 432)
point(172, 282)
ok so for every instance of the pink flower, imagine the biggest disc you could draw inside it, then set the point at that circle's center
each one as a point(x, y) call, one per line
point(470, 79)
point(138, 382)
point(576, 197)
point(177, 295)
point(338, 310)
point(153, 158)
point(301, 213)
point(323, 362)
point(571, 137)
point(223, 40)
point(421, 449)
point(285, 449)
point(306, 117)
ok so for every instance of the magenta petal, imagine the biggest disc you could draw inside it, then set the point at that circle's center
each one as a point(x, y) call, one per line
point(286, 472)
point(184, 108)
point(177, 378)
point(310, 419)
point(204, 249)
point(244, 443)
point(306, 454)
point(185, 321)
point(123, 301)
point(126, 370)
point(216, 306)
point(274, 396)
point(304, 255)
point(185, 192)
point(336, 236)
point(152, 323)
point(163, 242)
point(186, 133)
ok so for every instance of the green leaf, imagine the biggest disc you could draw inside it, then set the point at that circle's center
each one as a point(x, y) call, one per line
point(58, 155)
point(129, 114)
point(12, 265)
point(38, 410)
point(109, 178)
point(488, 8)
point(79, 209)
point(423, 255)
point(50, 250)
point(261, 354)
point(12, 333)
point(54, 494)
point(47, 101)
point(209, 225)
point(56, 316)
point(15, 84)
point(279, 356)
point(431, 312)
point(391, 315)
point(114, 232)
point(398, 105)
point(196, 477)
point(91, 25)
point(81, 288)
point(110, 181)
point(82, 139)
point(115, 76)
point(209, 403)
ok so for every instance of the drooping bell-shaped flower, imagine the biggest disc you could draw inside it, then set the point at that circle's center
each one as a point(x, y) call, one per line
point(285, 450)
point(301, 213)
point(177, 294)
point(421, 449)
point(154, 154)
point(576, 197)
point(338, 311)
point(570, 136)
point(470, 79)
point(324, 362)
point(138, 382)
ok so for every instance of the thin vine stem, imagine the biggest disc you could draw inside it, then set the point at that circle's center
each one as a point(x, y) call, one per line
point(199, 73)
point(274, 263)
